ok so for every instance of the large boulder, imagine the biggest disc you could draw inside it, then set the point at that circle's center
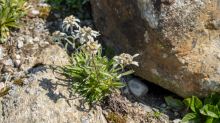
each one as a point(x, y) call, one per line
point(178, 40)
point(45, 95)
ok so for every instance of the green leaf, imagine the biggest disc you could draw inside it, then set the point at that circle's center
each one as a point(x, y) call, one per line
point(196, 104)
point(207, 101)
point(210, 110)
point(106, 89)
point(217, 120)
point(218, 104)
point(191, 118)
point(87, 61)
point(175, 103)
point(187, 102)
point(127, 73)
point(215, 98)
point(209, 120)
point(118, 85)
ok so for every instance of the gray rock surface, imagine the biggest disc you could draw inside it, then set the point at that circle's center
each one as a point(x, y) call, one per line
point(138, 88)
point(178, 41)
point(1, 53)
point(20, 44)
point(9, 62)
point(45, 95)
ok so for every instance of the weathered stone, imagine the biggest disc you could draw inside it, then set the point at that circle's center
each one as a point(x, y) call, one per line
point(36, 39)
point(8, 62)
point(20, 44)
point(49, 99)
point(178, 41)
point(17, 62)
point(17, 57)
point(138, 88)
point(35, 12)
point(1, 53)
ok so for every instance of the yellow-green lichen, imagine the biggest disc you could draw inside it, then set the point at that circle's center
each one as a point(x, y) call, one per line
point(4, 92)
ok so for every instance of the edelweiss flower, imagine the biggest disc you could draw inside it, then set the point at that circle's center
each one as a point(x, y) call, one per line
point(57, 35)
point(70, 22)
point(91, 47)
point(125, 59)
point(86, 33)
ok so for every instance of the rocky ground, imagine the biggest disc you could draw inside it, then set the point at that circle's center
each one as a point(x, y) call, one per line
point(32, 90)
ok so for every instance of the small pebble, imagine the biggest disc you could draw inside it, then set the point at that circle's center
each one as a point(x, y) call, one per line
point(36, 39)
point(17, 57)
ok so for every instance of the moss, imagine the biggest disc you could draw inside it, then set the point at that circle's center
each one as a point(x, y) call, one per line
point(38, 64)
point(48, 38)
point(44, 12)
point(18, 81)
point(4, 92)
point(29, 45)
point(25, 41)
point(115, 118)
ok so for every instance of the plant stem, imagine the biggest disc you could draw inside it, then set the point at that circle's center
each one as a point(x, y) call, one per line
point(72, 36)
point(95, 68)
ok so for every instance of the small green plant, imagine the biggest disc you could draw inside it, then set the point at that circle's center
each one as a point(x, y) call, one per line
point(207, 110)
point(11, 10)
point(157, 113)
point(95, 75)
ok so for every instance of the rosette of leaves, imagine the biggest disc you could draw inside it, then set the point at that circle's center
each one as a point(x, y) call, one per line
point(204, 111)
point(95, 75)
point(11, 10)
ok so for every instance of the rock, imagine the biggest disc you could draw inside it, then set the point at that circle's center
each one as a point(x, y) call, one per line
point(146, 108)
point(30, 40)
point(1, 53)
point(2, 85)
point(49, 24)
point(43, 5)
point(26, 37)
point(17, 62)
point(35, 46)
point(138, 88)
point(47, 97)
point(7, 76)
point(35, 12)
point(21, 38)
point(177, 121)
point(57, 15)
point(176, 113)
point(17, 57)
point(177, 42)
point(126, 91)
point(25, 81)
point(20, 44)
point(52, 55)
point(36, 39)
point(163, 105)
point(9, 62)
point(44, 43)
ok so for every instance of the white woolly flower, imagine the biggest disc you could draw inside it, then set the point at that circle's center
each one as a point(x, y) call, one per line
point(70, 22)
point(91, 47)
point(57, 35)
point(125, 59)
point(86, 33)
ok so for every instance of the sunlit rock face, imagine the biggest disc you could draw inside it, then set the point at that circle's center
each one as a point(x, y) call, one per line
point(178, 40)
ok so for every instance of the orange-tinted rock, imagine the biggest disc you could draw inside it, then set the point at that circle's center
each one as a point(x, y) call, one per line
point(178, 42)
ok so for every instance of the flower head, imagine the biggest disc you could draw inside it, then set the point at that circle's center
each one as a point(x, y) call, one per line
point(57, 35)
point(86, 33)
point(91, 47)
point(70, 22)
point(125, 59)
